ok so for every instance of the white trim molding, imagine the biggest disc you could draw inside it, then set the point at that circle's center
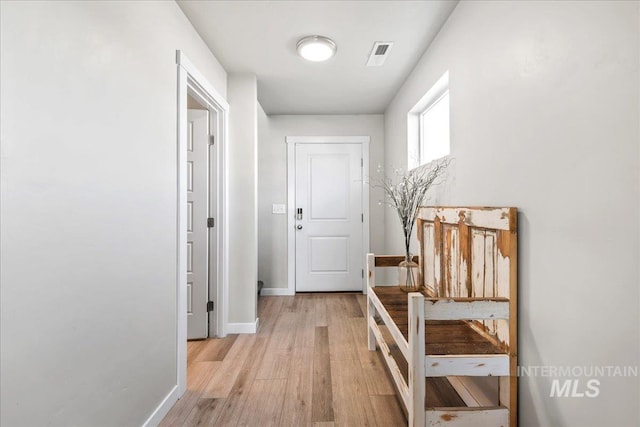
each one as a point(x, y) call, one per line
point(291, 142)
point(243, 328)
point(271, 292)
point(163, 409)
point(191, 80)
point(200, 80)
point(414, 155)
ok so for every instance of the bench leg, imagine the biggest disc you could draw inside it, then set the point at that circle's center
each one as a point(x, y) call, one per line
point(416, 360)
point(371, 338)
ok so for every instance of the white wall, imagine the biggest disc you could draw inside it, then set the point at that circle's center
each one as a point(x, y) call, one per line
point(272, 183)
point(243, 243)
point(545, 117)
point(88, 210)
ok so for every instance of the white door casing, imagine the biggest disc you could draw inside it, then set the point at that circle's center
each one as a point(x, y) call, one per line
point(189, 79)
point(197, 230)
point(327, 180)
point(214, 229)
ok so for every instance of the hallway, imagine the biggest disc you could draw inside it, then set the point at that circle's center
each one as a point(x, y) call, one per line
point(307, 365)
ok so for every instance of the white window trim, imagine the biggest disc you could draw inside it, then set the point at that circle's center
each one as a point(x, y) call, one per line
point(421, 135)
point(414, 119)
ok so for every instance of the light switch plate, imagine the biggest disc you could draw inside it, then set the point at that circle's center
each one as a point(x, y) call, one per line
point(279, 209)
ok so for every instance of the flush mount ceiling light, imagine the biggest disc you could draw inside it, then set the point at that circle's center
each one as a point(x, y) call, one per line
point(316, 48)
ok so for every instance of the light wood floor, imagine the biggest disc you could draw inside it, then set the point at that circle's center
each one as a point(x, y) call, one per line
point(308, 365)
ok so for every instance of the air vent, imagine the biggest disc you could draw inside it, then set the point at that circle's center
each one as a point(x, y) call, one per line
point(379, 53)
point(381, 49)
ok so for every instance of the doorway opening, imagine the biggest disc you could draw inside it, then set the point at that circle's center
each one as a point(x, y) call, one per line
point(202, 226)
point(201, 206)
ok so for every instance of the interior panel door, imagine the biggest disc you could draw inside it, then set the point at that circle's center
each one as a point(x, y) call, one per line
point(329, 217)
point(197, 230)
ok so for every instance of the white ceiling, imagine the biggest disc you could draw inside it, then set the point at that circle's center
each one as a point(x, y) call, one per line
point(260, 37)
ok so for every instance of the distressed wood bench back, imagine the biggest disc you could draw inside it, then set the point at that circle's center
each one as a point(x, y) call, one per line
point(471, 253)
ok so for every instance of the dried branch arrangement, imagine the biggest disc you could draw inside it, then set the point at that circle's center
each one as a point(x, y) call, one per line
point(406, 191)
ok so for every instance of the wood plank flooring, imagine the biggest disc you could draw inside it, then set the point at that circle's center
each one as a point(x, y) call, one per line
point(308, 365)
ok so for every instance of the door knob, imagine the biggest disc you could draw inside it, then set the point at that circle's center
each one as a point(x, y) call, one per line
point(299, 227)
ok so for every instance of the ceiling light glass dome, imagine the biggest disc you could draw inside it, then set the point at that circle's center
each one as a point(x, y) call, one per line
point(316, 48)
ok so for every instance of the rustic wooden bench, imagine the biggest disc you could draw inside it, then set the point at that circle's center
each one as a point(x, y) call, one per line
point(462, 323)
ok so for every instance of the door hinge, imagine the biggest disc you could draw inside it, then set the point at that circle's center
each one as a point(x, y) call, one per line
point(363, 273)
point(361, 162)
point(209, 306)
point(362, 217)
point(212, 139)
point(211, 222)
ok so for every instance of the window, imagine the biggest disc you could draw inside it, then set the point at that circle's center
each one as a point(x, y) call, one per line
point(434, 130)
point(428, 125)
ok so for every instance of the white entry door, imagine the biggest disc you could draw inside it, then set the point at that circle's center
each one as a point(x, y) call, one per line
point(329, 217)
point(197, 230)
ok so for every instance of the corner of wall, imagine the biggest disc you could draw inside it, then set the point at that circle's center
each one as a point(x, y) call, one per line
point(243, 182)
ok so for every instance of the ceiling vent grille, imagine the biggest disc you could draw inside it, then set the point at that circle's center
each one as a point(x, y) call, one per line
point(379, 53)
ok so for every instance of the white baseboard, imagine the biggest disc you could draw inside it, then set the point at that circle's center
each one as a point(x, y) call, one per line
point(276, 292)
point(163, 409)
point(243, 328)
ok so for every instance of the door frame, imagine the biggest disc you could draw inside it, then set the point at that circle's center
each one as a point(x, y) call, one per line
point(291, 142)
point(191, 80)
